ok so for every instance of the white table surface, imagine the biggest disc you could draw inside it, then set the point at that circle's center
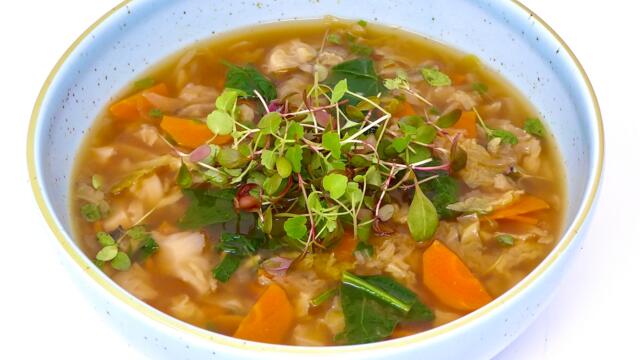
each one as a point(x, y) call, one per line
point(594, 314)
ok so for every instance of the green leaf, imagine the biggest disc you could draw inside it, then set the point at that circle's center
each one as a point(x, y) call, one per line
point(284, 167)
point(267, 224)
point(426, 134)
point(364, 248)
point(480, 88)
point(361, 76)
point(144, 83)
point(324, 296)
point(149, 247)
point(373, 176)
point(505, 240)
point(534, 127)
point(220, 122)
point(229, 264)
point(231, 158)
point(421, 153)
point(449, 119)
point(443, 191)
point(156, 113)
point(435, 78)
point(338, 91)
point(362, 23)
point(121, 262)
point(369, 319)
point(400, 143)
point(335, 184)
point(505, 136)
point(422, 218)
point(361, 49)
point(295, 131)
point(248, 79)
point(296, 227)
point(399, 82)
point(241, 245)
point(227, 100)
point(334, 39)
point(184, 179)
point(270, 123)
point(272, 184)
point(294, 155)
point(208, 207)
point(353, 193)
point(90, 212)
point(97, 181)
point(268, 159)
point(107, 253)
point(104, 239)
point(331, 142)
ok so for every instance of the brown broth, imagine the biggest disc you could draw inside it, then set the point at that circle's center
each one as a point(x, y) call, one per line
point(222, 309)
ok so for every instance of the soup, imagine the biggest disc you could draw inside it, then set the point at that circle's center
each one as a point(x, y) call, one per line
point(318, 183)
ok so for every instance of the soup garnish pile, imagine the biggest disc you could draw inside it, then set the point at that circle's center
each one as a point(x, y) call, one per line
point(318, 183)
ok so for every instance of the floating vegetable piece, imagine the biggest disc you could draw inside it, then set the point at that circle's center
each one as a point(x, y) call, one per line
point(270, 319)
point(186, 132)
point(422, 218)
point(449, 279)
point(136, 106)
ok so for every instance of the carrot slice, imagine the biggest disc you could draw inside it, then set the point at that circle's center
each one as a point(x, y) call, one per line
point(405, 110)
point(186, 132)
point(449, 279)
point(524, 205)
point(270, 319)
point(523, 219)
point(136, 106)
point(399, 332)
point(226, 324)
point(222, 139)
point(344, 249)
point(467, 122)
point(458, 79)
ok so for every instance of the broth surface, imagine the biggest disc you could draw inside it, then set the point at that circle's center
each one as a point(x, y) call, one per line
point(128, 171)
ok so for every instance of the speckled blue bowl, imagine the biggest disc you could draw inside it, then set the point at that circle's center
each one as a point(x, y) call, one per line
point(127, 40)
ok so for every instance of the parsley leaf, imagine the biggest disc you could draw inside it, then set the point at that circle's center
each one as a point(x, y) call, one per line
point(248, 79)
point(435, 78)
point(208, 207)
point(534, 127)
point(90, 212)
point(226, 267)
point(442, 191)
point(360, 75)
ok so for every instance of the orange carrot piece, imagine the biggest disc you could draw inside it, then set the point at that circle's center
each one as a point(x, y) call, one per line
point(458, 79)
point(222, 139)
point(524, 205)
point(449, 279)
point(523, 219)
point(226, 324)
point(405, 110)
point(270, 319)
point(343, 250)
point(467, 122)
point(136, 106)
point(186, 132)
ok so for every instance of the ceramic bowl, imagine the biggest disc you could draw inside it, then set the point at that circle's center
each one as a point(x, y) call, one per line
point(136, 34)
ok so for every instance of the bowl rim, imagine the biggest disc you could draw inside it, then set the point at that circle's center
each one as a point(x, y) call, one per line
point(156, 316)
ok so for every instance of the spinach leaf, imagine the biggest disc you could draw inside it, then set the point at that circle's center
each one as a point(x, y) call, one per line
point(360, 75)
point(368, 319)
point(442, 191)
point(241, 245)
point(226, 267)
point(208, 207)
point(248, 79)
